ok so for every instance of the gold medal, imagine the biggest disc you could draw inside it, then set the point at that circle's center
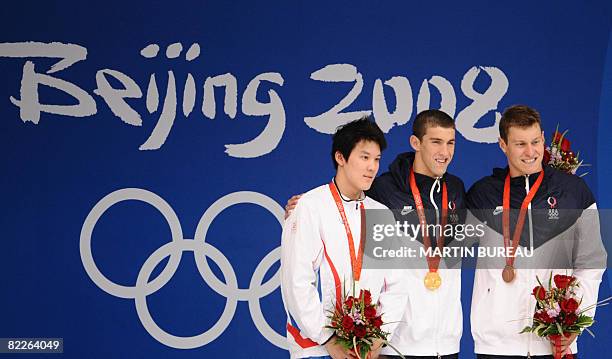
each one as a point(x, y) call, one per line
point(508, 273)
point(432, 280)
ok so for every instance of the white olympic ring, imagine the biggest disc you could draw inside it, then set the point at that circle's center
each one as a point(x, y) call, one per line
point(174, 249)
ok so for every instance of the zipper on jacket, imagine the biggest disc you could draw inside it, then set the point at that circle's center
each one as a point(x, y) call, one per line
point(433, 202)
point(529, 212)
point(531, 245)
point(437, 325)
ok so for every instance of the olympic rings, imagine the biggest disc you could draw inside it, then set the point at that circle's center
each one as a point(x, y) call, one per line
point(174, 249)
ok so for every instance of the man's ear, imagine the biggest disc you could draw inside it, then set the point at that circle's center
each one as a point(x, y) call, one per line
point(415, 143)
point(339, 159)
point(502, 144)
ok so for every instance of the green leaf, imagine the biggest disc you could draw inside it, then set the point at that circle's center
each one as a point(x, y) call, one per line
point(550, 277)
point(553, 136)
point(559, 328)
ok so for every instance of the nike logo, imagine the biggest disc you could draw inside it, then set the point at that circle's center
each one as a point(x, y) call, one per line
point(406, 210)
point(498, 210)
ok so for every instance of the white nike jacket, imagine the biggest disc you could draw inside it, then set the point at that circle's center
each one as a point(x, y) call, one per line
point(561, 226)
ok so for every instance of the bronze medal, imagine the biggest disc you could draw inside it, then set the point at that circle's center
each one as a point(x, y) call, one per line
point(508, 273)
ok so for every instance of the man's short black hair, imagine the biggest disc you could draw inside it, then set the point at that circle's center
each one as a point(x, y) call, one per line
point(349, 135)
point(431, 118)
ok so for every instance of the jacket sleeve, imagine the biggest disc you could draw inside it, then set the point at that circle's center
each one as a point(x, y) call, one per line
point(393, 299)
point(393, 295)
point(479, 229)
point(301, 253)
point(589, 256)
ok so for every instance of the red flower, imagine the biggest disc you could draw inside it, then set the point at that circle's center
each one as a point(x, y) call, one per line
point(347, 323)
point(377, 322)
point(360, 331)
point(366, 296)
point(349, 302)
point(565, 145)
point(563, 281)
point(569, 305)
point(543, 317)
point(546, 158)
point(370, 312)
point(539, 292)
point(570, 319)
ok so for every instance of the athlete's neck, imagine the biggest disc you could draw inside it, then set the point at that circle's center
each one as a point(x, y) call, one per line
point(515, 172)
point(345, 187)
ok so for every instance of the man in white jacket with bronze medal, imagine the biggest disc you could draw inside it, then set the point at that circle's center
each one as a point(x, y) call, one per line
point(537, 210)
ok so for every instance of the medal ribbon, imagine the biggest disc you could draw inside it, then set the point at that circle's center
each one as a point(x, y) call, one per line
point(516, 237)
point(356, 262)
point(432, 262)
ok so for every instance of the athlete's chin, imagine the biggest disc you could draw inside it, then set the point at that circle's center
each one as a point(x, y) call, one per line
point(530, 169)
point(366, 184)
point(440, 171)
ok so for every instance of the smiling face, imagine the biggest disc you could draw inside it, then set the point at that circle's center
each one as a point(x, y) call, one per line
point(524, 149)
point(357, 173)
point(434, 152)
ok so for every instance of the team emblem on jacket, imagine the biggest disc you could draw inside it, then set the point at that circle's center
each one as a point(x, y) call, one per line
point(453, 217)
point(553, 212)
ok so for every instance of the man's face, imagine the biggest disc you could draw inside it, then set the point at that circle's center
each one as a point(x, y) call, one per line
point(524, 149)
point(362, 165)
point(434, 151)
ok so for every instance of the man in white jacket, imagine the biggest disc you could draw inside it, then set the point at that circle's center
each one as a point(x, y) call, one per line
point(559, 221)
point(432, 322)
point(322, 248)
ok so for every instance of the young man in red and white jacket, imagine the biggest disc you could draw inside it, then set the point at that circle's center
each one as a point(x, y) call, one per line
point(322, 248)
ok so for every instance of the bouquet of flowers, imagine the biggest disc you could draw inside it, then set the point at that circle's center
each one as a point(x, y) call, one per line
point(357, 323)
point(560, 156)
point(557, 311)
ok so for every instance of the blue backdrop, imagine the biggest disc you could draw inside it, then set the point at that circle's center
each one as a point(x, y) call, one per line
point(130, 125)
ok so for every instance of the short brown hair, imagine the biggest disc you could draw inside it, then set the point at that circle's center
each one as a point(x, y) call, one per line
point(518, 116)
point(430, 118)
